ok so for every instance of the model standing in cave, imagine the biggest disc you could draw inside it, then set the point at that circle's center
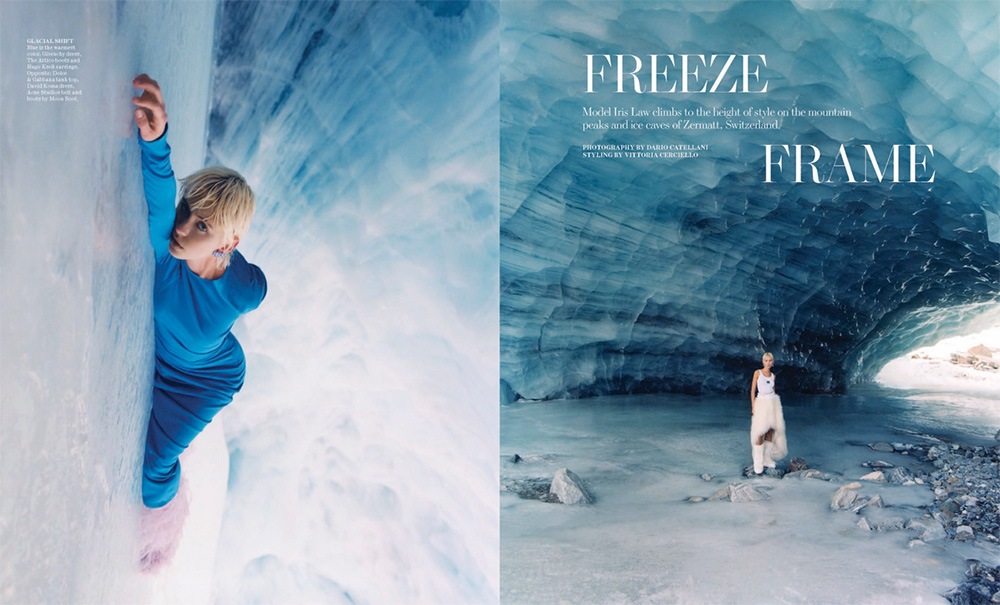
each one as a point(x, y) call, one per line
point(767, 427)
point(201, 286)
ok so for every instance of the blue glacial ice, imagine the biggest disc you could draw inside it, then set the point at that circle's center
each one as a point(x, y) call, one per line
point(76, 289)
point(369, 418)
point(653, 275)
point(362, 447)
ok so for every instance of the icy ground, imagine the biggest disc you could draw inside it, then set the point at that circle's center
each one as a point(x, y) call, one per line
point(643, 456)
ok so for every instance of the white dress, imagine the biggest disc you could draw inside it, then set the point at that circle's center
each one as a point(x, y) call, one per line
point(767, 416)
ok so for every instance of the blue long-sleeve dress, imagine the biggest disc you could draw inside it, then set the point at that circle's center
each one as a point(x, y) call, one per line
point(199, 363)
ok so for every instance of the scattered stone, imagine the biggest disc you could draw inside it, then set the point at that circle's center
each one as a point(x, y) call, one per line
point(859, 504)
point(981, 351)
point(891, 524)
point(798, 464)
point(877, 464)
point(964, 532)
point(516, 459)
point(983, 360)
point(529, 489)
point(981, 586)
point(744, 492)
point(772, 473)
point(809, 473)
point(739, 492)
point(863, 524)
point(722, 494)
point(899, 474)
point(950, 508)
point(874, 476)
point(863, 503)
point(569, 489)
point(695, 499)
point(966, 484)
point(928, 529)
point(882, 446)
point(707, 477)
point(845, 496)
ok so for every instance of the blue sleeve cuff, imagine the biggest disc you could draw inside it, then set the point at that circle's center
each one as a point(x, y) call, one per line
point(156, 143)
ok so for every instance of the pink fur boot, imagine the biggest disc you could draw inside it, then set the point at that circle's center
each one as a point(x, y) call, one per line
point(160, 531)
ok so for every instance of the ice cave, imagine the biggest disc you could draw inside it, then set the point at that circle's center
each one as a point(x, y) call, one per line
point(644, 276)
point(652, 248)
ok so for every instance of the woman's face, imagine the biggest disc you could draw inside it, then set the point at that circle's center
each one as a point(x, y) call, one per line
point(768, 362)
point(193, 237)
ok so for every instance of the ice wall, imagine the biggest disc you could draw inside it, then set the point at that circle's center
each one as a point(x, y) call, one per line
point(76, 321)
point(638, 275)
point(364, 445)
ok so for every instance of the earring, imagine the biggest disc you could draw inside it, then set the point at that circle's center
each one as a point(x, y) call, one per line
point(218, 253)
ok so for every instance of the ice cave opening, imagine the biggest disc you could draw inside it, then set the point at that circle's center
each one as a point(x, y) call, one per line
point(961, 373)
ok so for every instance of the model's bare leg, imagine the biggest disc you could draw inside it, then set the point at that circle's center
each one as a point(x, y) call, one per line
point(767, 460)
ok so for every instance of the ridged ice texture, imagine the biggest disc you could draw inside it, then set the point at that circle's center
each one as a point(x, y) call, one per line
point(76, 326)
point(622, 276)
point(363, 446)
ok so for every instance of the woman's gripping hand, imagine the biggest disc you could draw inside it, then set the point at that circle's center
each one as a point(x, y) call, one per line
point(151, 114)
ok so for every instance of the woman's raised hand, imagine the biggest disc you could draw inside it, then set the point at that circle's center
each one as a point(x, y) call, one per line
point(151, 114)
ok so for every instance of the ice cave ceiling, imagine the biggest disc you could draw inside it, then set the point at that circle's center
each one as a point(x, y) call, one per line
point(636, 275)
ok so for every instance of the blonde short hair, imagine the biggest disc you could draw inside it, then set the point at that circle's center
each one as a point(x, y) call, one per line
point(223, 197)
point(766, 355)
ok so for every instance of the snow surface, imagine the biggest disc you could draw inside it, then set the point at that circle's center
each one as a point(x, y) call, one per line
point(930, 368)
point(363, 447)
point(642, 456)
